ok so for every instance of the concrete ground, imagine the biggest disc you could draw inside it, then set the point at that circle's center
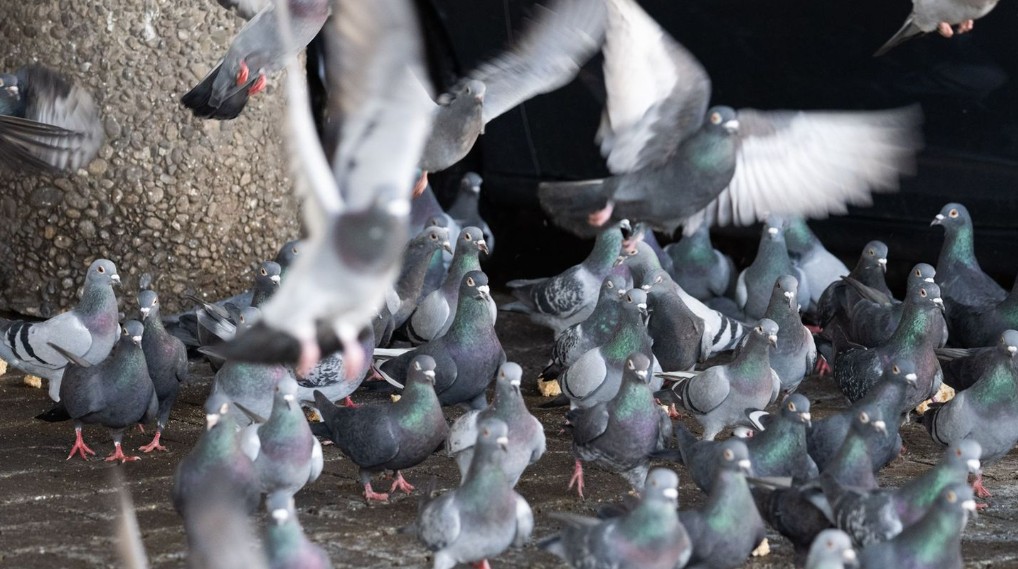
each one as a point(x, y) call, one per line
point(59, 513)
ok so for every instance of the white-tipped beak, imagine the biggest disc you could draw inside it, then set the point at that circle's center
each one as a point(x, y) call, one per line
point(483, 289)
point(115, 278)
point(938, 219)
point(745, 464)
point(447, 246)
point(514, 383)
point(969, 505)
point(788, 294)
point(288, 398)
point(772, 230)
point(911, 377)
point(973, 464)
point(144, 311)
point(929, 280)
point(503, 442)
point(641, 373)
point(671, 493)
point(429, 373)
point(848, 555)
point(210, 420)
point(939, 302)
point(274, 278)
point(731, 125)
point(136, 339)
point(773, 339)
point(806, 416)
point(644, 287)
point(880, 426)
point(882, 263)
point(1012, 350)
point(642, 306)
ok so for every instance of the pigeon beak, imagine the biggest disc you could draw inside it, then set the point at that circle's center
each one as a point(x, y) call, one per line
point(911, 378)
point(1012, 350)
point(671, 493)
point(274, 279)
point(642, 374)
point(773, 340)
point(503, 442)
point(806, 418)
point(882, 263)
point(514, 383)
point(745, 466)
point(210, 420)
point(848, 556)
point(485, 291)
point(136, 340)
point(772, 231)
point(880, 426)
point(940, 303)
point(973, 465)
point(969, 505)
point(289, 400)
point(647, 286)
point(939, 219)
point(144, 311)
point(732, 126)
point(619, 260)
point(430, 374)
point(115, 278)
point(482, 245)
point(446, 246)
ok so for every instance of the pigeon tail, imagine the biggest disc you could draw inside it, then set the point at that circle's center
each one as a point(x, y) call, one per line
point(908, 31)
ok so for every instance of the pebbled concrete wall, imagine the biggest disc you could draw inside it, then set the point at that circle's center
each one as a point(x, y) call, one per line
point(196, 203)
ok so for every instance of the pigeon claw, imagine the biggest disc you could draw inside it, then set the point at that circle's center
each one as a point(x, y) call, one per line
point(421, 184)
point(966, 26)
point(79, 447)
point(482, 564)
point(154, 445)
point(945, 29)
point(353, 358)
point(577, 478)
point(601, 216)
point(118, 454)
point(978, 489)
point(370, 495)
point(822, 368)
point(349, 403)
point(258, 86)
point(310, 354)
point(400, 483)
point(243, 73)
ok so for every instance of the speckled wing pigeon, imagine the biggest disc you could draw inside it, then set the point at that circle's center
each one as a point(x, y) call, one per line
point(590, 333)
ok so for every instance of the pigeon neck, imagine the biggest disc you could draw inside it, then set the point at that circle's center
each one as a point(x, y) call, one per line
point(921, 493)
point(126, 356)
point(959, 247)
point(506, 402)
point(606, 249)
point(782, 442)
point(415, 270)
point(730, 505)
point(628, 338)
point(786, 317)
point(283, 420)
point(418, 404)
point(472, 322)
point(852, 466)
point(633, 400)
point(998, 386)
point(485, 476)
point(754, 355)
point(935, 535)
point(154, 324)
point(696, 249)
point(97, 300)
point(915, 326)
point(464, 261)
point(649, 524)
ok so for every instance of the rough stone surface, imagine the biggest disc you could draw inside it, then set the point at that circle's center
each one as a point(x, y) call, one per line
point(196, 203)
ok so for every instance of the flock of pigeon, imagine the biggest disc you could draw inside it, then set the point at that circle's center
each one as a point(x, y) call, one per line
point(388, 292)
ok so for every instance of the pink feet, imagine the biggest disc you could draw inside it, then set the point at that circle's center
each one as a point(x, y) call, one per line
point(577, 478)
point(310, 354)
point(258, 86)
point(482, 564)
point(349, 403)
point(118, 454)
point(822, 368)
point(79, 446)
point(243, 73)
point(947, 31)
point(353, 358)
point(400, 483)
point(601, 216)
point(966, 26)
point(813, 329)
point(978, 488)
point(422, 183)
point(370, 495)
point(154, 445)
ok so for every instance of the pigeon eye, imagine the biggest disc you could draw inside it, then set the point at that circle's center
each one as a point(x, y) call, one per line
point(715, 118)
point(864, 417)
point(759, 329)
point(294, 250)
point(417, 366)
point(957, 452)
point(791, 406)
point(728, 454)
point(922, 292)
point(951, 496)
point(871, 252)
point(434, 237)
point(610, 284)
point(953, 213)
point(629, 298)
point(101, 269)
point(470, 281)
point(468, 237)
point(263, 272)
point(895, 370)
point(630, 364)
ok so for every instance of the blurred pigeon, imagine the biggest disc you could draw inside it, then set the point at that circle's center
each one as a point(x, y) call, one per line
point(680, 338)
point(595, 376)
point(857, 370)
point(836, 301)
point(393, 436)
point(590, 333)
point(720, 395)
point(467, 356)
point(677, 162)
point(355, 214)
point(218, 324)
point(622, 433)
point(984, 412)
point(700, 269)
point(940, 15)
point(166, 358)
point(832, 549)
point(982, 326)
point(330, 375)
point(287, 547)
point(643, 232)
point(464, 209)
point(963, 367)
point(435, 313)
point(819, 267)
point(417, 258)
point(484, 516)
point(569, 297)
point(246, 9)
point(287, 254)
point(250, 384)
point(726, 529)
point(720, 332)
point(559, 40)
point(47, 123)
point(116, 393)
point(874, 317)
point(526, 434)
point(258, 49)
point(286, 455)
point(648, 537)
point(425, 211)
point(794, 356)
point(915, 498)
point(755, 283)
point(88, 331)
point(791, 512)
point(932, 542)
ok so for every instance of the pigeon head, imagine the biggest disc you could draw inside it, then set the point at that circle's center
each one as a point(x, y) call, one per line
point(216, 406)
point(734, 456)
point(774, 229)
point(921, 274)
point(372, 239)
point(722, 119)
point(437, 221)
point(874, 255)
point(148, 304)
point(509, 377)
point(475, 285)
point(662, 485)
point(655, 278)
point(965, 452)
point(1009, 342)
point(268, 275)
point(638, 367)
point(613, 286)
point(133, 330)
point(287, 389)
point(767, 330)
point(869, 418)
point(786, 289)
point(798, 236)
point(493, 434)
point(796, 408)
point(952, 216)
point(288, 253)
point(422, 369)
point(831, 547)
point(248, 317)
point(471, 238)
point(636, 300)
point(958, 497)
point(927, 294)
point(437, 237)
point(901, 370)
point(102, 272)
point(469, 94)
point(471, 183)
point(625, 228)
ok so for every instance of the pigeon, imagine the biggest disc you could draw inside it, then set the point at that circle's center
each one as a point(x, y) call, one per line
point(259, 49)
point(47, 123)
point(963, 367)
point(852, 465)
point(700, 269)
point(87, 331)
point(720, 395)
point(939, 15)
point(915, 498)
point(981, 327)
point(267, 281)
point(464, 209)
point(680, 338)
point(641, 260)
point(116, 392)
point(569, 297)
point(595, 376)
point(780, 450)
point(590, 333)
point(425, 211)
point(836, 301)
point(794, 356)
point(932, 542)
point(720, 332)
point(963, 283)
point(285, 454)
point(621, 434)
point(726, 529)
point(393, 436)
point(890, 397)
point(818, 266)
point(287, 547)
point(166, 358)
point(435, 313)
point(832, 549)
point(331, 378)
point(484, 516)
point(250, 384)
point(984, 412)
point(526, 434)
point(701, 457)
point(874, 317)
point(418, 257)
point(676, 162)
point(287, 254)
point(755, 283)
point(791, 512)
point(467, 356)
point(647, 537)
point(857, 370)
point(356, 214)
point(559, 40)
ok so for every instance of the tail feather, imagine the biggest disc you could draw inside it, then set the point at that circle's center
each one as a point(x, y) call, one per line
point(569, 204)
point(55, 415)
point(199, 98)
point(908, 31)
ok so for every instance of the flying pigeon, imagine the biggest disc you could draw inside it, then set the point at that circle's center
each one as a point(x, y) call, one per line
point(939, 15)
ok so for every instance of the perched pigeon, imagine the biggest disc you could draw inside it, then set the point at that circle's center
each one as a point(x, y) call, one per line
point(526, 434)
point(647, 537)
point(700, 269)
point(836, 301)
point(720, 332)
point(780, 450)
point(287, 547)
point(484, 516)
point(393, 436)
point(963, 367)
point(116, 393)
point(940, 15)
point(819, 267)
point(832, 549)
point(755, 283)
point(874, 317)
point(267, 281)
point(259, 49)
point(47, 123)
point(88, 331)
point(467, 356)
point(622, 433)
point(569, 297)
point(417, 258)
point(721, 395)
point(464, 209)
point(680, 338)
point(166, 358)
point(677, 162)
point(794, 355)
point(726, 529)
point(590, 333)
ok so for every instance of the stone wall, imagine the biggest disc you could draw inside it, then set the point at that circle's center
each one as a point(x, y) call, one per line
point(196, 203)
